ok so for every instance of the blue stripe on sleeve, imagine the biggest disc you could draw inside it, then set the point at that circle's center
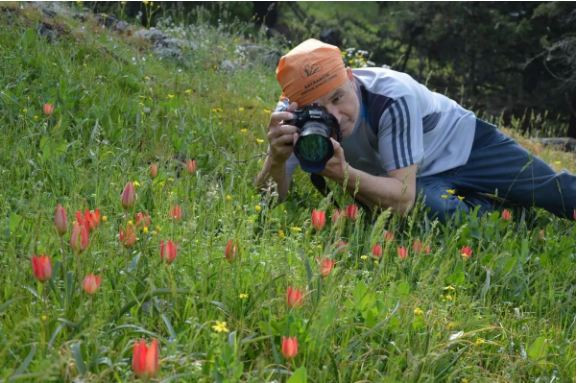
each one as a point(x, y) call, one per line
point(394, 135)
point(401, 133)
point(408, 127)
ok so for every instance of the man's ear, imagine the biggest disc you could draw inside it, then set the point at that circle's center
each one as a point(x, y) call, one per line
point(350, 73)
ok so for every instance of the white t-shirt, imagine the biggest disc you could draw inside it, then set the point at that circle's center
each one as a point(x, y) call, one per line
point(402, 123)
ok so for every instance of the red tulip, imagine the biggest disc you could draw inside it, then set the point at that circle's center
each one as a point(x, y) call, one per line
point(91, 219)
point(128, 236)
point(41, 267)
point(351, 211)
point(79, 238)
point(153, 170)
point(128, 195)
point(231, 250)
point(506, 215)
point(389, 236)
point(145, 359)
point(48, 109)
point(168, 251)
point(176, 212)
point(318, 219)
point(294, 297)
point(60, 220)
point(141, 219)
point(402, 252)
point(337, 214)
point(290, 347)
point(91, 283)
point(326, 265)
point(377, 250)
point(191, 166)
point(466, 252)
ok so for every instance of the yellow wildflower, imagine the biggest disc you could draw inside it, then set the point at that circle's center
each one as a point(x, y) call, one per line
point(451, 288)
point(188, 91)
point(243, 296)
point(281, 234)
point(228, 197)
point(170, 96)
point(451, 191)
point(460, 197)
point(258, 208)
point(417, 311)
point(145, 229)
point(364, 257)
point(259, 141)
point(44, 317)
point(130, 223)
point(241, 109)
point(445, 196)
point(244, 130)
point(296, 229)
point(104, 218)
point(136, 184)
point(479, 341)
point(266, 111)
point(220, 327)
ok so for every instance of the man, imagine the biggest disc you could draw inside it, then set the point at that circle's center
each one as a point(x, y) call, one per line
point(400, 139)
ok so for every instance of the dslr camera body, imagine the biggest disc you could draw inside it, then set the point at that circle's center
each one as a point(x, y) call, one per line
point(316, 125)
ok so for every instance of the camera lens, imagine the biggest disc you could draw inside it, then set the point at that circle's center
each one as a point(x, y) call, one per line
point(314, 147)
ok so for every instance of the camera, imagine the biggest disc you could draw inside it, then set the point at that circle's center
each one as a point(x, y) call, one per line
point(313, 147)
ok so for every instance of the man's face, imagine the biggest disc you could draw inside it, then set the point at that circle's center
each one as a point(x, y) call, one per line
point(343, 103)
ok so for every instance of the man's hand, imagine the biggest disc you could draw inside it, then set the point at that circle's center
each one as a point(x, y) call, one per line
point(336, 167)
point(281, 137)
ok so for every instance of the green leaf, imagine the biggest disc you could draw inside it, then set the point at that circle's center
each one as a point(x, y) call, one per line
point(299, 376)
point(538, 349)
point(77, 353)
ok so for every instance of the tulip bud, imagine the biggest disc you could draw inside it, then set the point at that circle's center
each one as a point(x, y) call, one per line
point(91, 283)
point(377, 250)
point(191, 166)
point(290, 347)
point(60, 220)
point(466, 252)
point(318, 219)
point(231, 250)
point(145, 359)
point(294, 297)
point(153, 170)
point(48, 109)
point(168, 251)
point(326, 266)
point(127, 236)
point(176, 212)
point(79, 238)
point(388, 236)
point(506, 215)
point(41, 267)
point(402, 252)
point(351, 211)
point(128, 195)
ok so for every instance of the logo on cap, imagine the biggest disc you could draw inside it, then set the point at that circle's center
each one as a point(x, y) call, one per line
point(311, 69)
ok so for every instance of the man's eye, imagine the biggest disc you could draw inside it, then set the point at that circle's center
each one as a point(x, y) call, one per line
point(337, 99)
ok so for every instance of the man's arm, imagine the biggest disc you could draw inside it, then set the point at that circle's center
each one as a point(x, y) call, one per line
point(397, 191)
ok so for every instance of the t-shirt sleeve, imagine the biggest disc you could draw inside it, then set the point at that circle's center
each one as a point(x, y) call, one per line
point(400, 134)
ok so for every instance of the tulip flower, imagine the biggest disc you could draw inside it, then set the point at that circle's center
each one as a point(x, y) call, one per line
point(91, 283)
point(231, 250)
point(141, 219)
point(351, 211)
point(145, 359)
point(153, 170)
point(337, 215)
point(389, 236)
point(402, 252)
point(48, 109)
point(128, 195)
point(168, 251)
point(326, 266)
point(41, 267)
point(91, 219)
point(290, 347)
point(318, 219)
point(79, 238)
point(466, 252)
point(176, 212)
point(506, 215)
point(294, 297)
point(377, 250)
point(191, 166)
point(127, 236)
point(60, 220)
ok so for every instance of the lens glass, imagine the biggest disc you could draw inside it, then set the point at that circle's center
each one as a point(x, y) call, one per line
point(313, 148)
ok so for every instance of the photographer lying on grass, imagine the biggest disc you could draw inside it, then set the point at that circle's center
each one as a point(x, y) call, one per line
point(399, 140)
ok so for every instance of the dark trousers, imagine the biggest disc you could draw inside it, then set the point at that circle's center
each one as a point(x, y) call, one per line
point(498, 166)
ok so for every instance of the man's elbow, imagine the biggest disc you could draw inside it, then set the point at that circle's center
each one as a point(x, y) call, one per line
point(406, 204)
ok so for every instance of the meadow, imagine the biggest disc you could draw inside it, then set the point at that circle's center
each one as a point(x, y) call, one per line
point(134, 246)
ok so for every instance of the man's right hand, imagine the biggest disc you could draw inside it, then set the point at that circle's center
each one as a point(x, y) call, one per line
point(281, 137)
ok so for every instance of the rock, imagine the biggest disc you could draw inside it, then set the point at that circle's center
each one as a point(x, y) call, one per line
point(564, 143)
point(254, 53)
point(228, 66)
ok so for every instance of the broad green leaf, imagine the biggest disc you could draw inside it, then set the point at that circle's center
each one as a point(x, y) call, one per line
point(299, 376)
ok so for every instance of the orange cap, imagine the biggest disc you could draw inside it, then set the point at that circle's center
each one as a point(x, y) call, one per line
point(310, 70)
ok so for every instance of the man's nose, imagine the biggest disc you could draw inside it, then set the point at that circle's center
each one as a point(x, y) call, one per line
point(334, 111)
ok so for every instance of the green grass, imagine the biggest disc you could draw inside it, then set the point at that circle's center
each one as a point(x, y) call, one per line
point(506, 314)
